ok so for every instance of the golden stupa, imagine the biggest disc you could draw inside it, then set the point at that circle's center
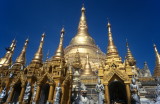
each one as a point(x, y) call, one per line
point(85, 45)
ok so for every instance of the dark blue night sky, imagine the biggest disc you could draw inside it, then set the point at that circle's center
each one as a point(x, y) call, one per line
point(136, 20)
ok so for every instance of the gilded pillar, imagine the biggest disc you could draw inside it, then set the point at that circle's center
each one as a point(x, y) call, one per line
point(128, 93)
point(38, 92)
point(51, 92)
point(22, 93)
point(70, 94)
point(107, 97)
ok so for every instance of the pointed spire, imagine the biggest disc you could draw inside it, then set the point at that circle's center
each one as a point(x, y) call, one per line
point(22, 57)
point(9, 50)
point(110, 38)
point(157, 54)
point(112, 52)
point(7, 59)
point(129, 56)
point(157, 67)
point(82, 27)
point(38, 55)
point(87, 69)
point(60, 52)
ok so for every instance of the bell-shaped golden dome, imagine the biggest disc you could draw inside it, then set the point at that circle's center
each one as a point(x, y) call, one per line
point(84, 43)
point(82, 37)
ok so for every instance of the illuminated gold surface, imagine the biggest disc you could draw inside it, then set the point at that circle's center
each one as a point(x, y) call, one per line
point(87, 69)
point(112, 53)
point(22, 57)
point(157, 66)
point(7, 59)
point(38, 55)
point(56, 70)
point(85, 44)
point(60, 52)
point(129, 56)
point(77, 61)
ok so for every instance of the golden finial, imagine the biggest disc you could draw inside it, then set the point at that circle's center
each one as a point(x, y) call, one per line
point(62, 31)
point(13, 42)
point(156, 52)
point(60, 52)
point(109, 26)
point(22, 57)
point(83, 8)
point(82, 27)
point(38, 55)
point(111, 43)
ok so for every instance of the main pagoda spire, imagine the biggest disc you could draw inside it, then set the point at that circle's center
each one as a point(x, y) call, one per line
point(112, 52)
point(84, 43)
point(82, 27)
point(82, 37)
point(157, 67)
point(22, 57)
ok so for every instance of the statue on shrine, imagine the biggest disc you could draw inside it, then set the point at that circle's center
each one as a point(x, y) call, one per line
point(83, 87)
point(35, 90)
point(83, 96)
point(58, 94)
point(3, 95)
point(134, 92)
point(11, 75)
point(75, 98)
point(100, 90)
point(27, 92)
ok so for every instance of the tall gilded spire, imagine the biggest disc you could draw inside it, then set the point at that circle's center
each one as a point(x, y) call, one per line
point(111, 47)
point(112, 53)
point(22, 57)
point(7, 59)
point(157, 67)
point(38, 55)
point(129, 56)
point(110, 38)
point(60, 52)
point(82, 27)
